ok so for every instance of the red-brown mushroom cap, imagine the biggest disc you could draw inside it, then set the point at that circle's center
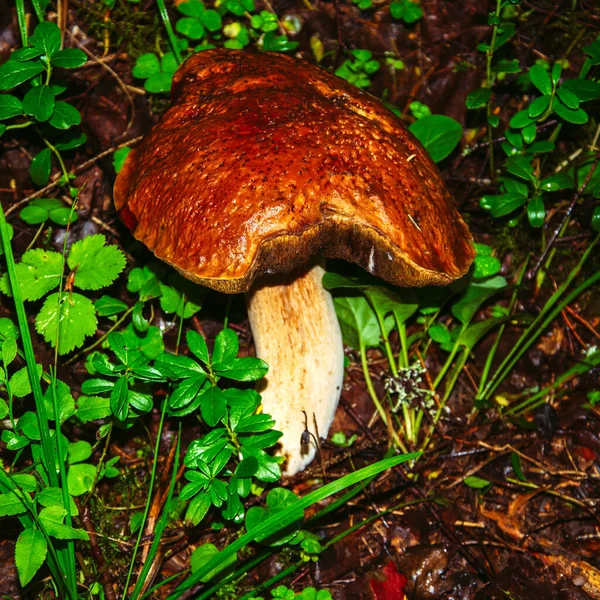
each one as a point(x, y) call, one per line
point(263, 160)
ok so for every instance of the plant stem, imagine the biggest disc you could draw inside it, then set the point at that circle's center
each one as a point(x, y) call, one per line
point(149, 500)
point(22, 18)
point(545, 317)
point(167, 23)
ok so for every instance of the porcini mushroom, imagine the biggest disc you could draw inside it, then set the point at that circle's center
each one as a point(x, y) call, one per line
point(261, 162)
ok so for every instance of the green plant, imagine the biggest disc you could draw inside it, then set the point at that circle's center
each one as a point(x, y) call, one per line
point(40, 210)
point(368, 313)
point(409, 11)
point(67, 316)
point(232, 24)
point(37, 106)
point(359, 68)
point(525, 180)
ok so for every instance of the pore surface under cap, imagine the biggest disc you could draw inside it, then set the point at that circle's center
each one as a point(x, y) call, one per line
point(263, 160)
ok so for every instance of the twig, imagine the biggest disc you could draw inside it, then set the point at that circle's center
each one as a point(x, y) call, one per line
point(80, 169)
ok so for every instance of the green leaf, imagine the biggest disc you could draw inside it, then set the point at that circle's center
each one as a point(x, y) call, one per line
point(107, 306)
point(521, 119)
point(118, 399)
point(478, 98)
point(529, 133)
point(8, 329)
point(213, 405)
point(145, 66)
point(71, 140)
point(197, 509)
point(186, 391)
point(358, 322)
point(79, 451)
point(569, 99)
point(191, 8)
point(13, 73)
point(70, 58)
point(53, 496)
point(254, 423)
point(515, 460)
point(578, 117)
point(278, 500)
point(95, 265)
point(64, 116)
point(11, 505)
point(226, 347)
point(559, 181)
point(212, 20)
point(39, 103)
point(10, 106)
point(91, 408)
point(150, 343)
point(19, 382)
point(247, 467)
point(26, 54)
point(80, 479)
point(202, 554)
point(30, 554)
point(520, 166)
point(52, 519)
point(34, 215)
point(506, 66)
point(536, 211)
point(8, 351)
point(40, 167)
point(168, 63)
point(242, 369)
point(475, 295)
point(584, 89)
point(190, 27)
point(477, 483)
point(538, 106)
point(119, 157)
point(486, 266)
point(46, 37)
point(439, 134)
point(64, 401)
point(28, 424)
point(541, 79)
point(39, 272)
point(70, 317)
point(158, 83)
point(595, 221)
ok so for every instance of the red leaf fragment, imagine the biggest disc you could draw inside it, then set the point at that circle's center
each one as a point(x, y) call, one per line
point(390, 588)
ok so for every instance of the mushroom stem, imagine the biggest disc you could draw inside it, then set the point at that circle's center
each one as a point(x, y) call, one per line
point(297, 333)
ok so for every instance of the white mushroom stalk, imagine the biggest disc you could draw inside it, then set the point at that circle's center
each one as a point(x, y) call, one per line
point(297, 333)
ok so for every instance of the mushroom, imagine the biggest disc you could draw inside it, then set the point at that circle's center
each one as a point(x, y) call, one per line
point(263, 161)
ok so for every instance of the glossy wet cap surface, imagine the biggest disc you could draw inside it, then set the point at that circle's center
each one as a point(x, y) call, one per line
point(263, 160)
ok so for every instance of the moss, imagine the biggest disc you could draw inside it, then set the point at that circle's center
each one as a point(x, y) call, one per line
point(124, 26)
